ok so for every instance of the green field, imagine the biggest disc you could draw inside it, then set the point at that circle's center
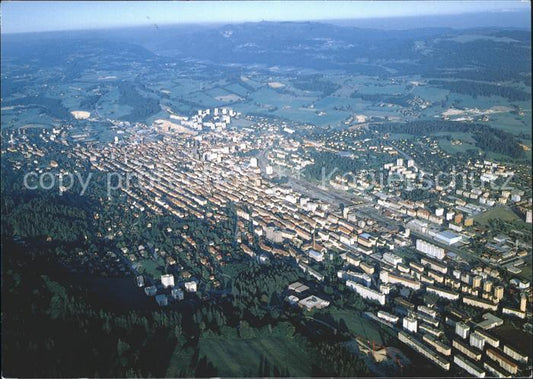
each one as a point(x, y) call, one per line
point(361, 326)
point(452, 149)
point(400, 136)
point(152, 268)
point(464, 137)
point(510, 122)
point(502, 213)
point(430, 93)
point(235, 357)
point(179, 362)
point(445, 143)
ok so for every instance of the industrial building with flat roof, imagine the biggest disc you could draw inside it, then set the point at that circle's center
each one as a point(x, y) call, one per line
point(447, 237)
point(312, 302)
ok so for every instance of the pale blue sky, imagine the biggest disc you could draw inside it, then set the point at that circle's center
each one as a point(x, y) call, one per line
point(31, 16)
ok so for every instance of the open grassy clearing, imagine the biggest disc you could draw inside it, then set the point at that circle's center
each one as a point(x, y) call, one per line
point(235, 357)
point(452, 149)
point(179, 362)
point(154, 269)
point(501, 213)
point(361, 326)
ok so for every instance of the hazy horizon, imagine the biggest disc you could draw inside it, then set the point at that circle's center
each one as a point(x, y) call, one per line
point(32, 17)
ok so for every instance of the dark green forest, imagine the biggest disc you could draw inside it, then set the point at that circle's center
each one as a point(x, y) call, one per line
point(328, 165)
point(316, 83)
point(486, 137)
point(142, 106)
point(52, 107)
point(475, 89)
point(51, 327)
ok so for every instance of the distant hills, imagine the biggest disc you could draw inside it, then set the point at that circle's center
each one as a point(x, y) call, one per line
point(478, 54)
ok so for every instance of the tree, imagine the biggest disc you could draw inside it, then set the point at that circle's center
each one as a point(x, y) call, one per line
point(122, 349)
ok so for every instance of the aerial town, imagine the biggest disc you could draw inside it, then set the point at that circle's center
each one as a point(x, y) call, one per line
point(296, 189)
point(440, 292)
